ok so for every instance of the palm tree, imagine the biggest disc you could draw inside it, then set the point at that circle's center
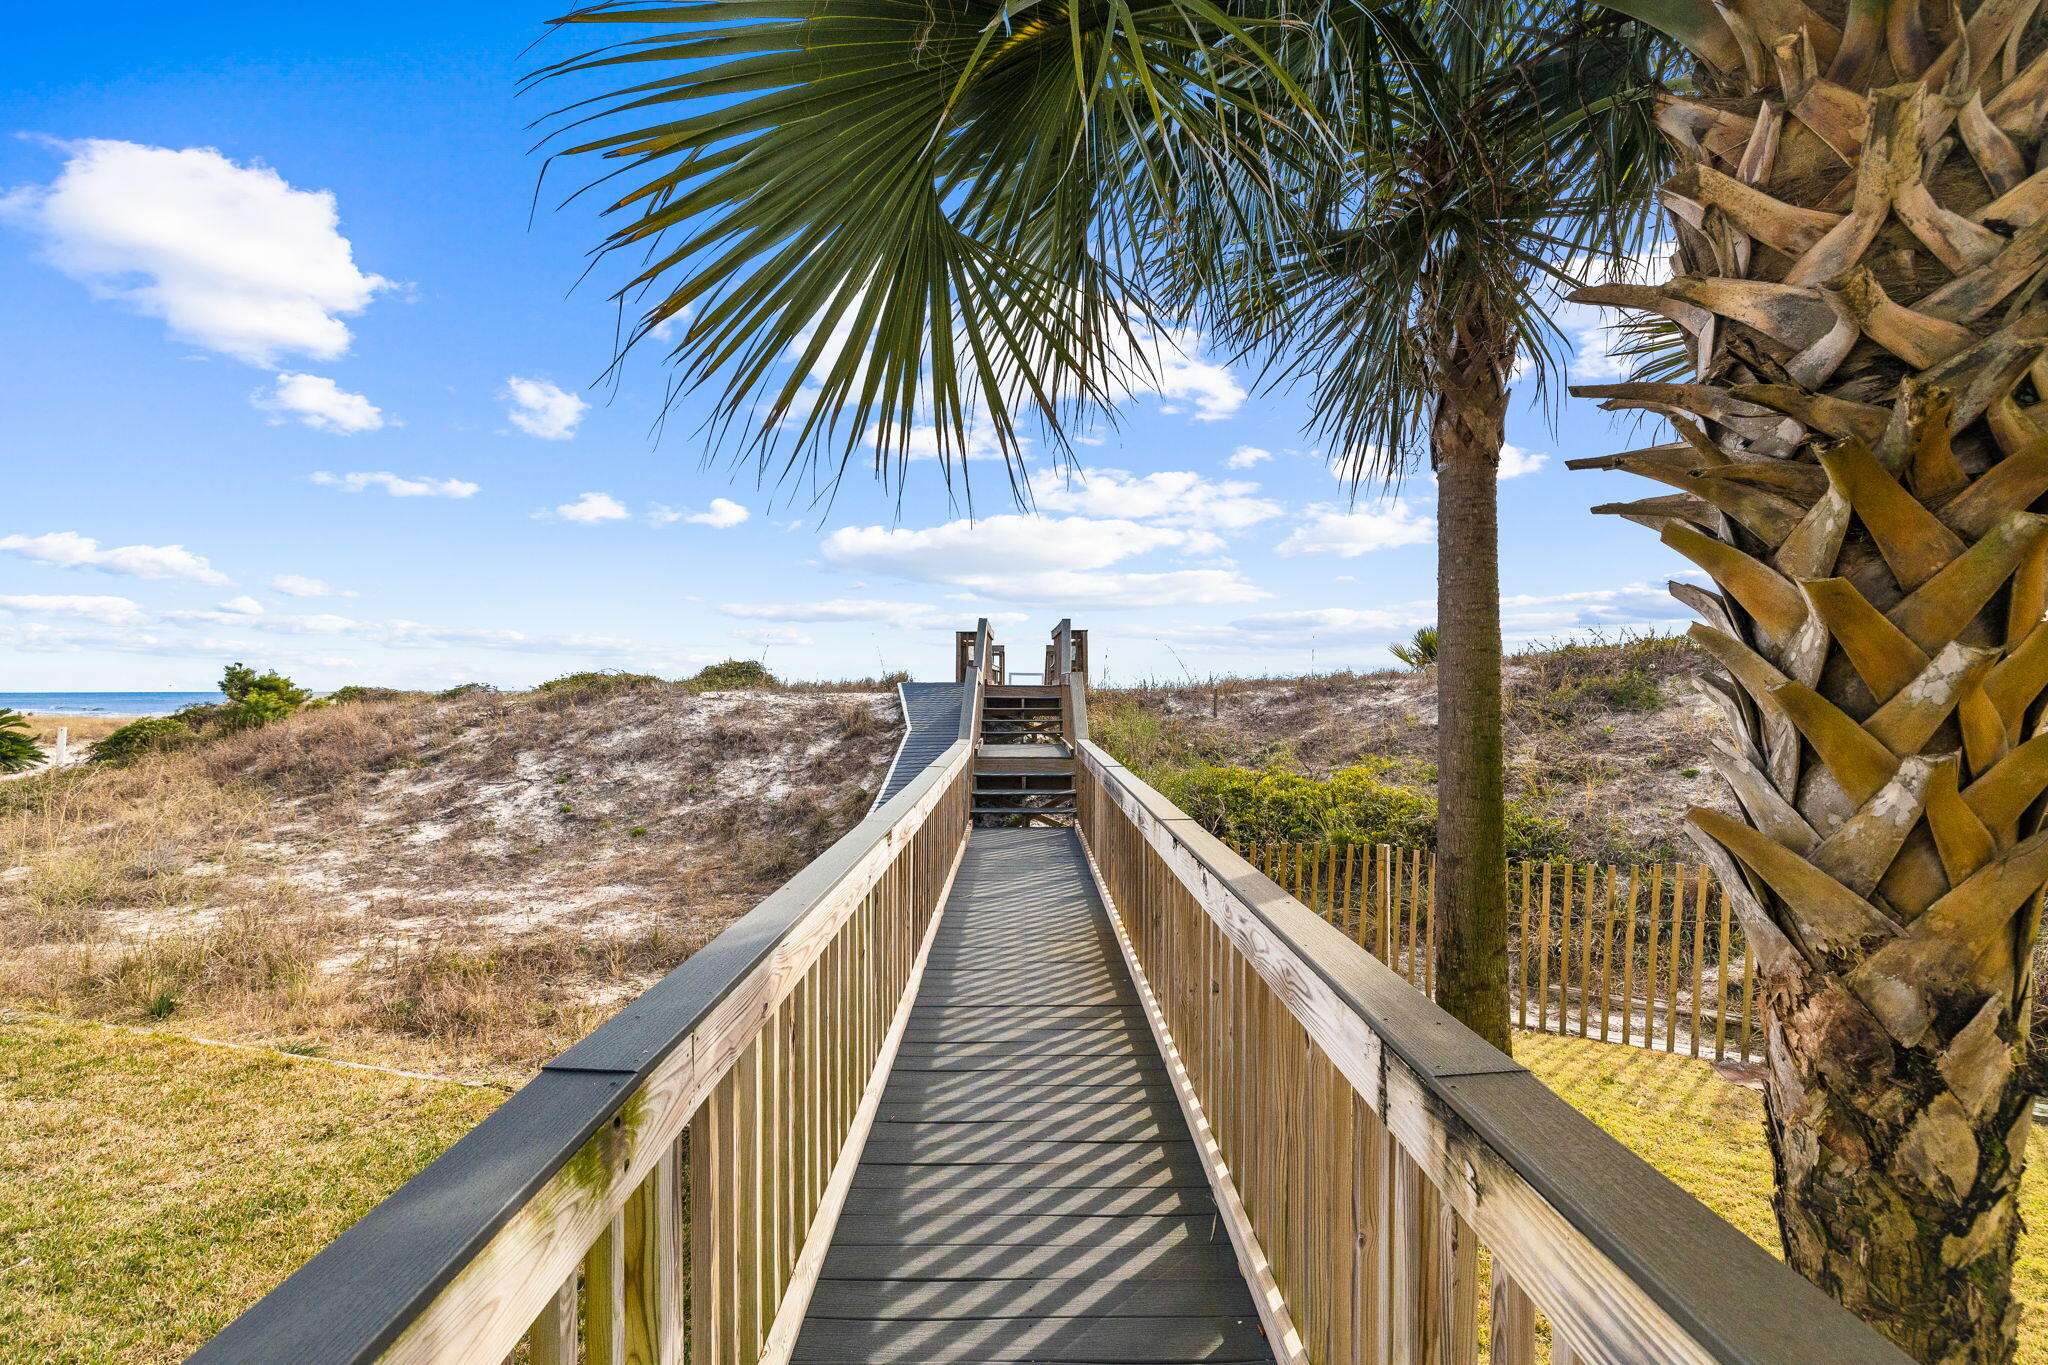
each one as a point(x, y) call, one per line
point(19, 751)
point(1420, 651)
point(969, 213)
point(1500, 144)
point(1861, 232)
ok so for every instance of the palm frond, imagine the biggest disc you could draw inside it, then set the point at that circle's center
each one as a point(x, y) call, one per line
point(874, 218)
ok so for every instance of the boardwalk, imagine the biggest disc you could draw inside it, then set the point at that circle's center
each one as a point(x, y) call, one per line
point(1030, 1191)
point(817, 1143)
point(931, 724)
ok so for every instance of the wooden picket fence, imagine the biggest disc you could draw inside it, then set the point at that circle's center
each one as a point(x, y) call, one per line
point(1647, 955)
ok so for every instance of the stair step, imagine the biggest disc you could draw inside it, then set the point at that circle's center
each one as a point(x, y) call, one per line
point(1024, 810)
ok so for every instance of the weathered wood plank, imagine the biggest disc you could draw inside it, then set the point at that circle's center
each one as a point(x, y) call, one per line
point(1068, 1297)
point(990, 1341)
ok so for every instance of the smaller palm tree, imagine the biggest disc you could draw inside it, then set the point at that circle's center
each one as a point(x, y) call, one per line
point(19, 751)
point(1419, 652)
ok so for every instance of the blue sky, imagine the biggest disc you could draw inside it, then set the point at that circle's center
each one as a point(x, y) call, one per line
point(288, 373)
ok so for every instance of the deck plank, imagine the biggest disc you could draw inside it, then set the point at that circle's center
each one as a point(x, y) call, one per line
point(1029, 1190)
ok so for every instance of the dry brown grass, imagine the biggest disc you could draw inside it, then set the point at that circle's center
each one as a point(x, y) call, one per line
point(461, 886)
point(1611, 739)
point(84, 729)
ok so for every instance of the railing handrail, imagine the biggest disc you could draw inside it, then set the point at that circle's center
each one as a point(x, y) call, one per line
point(1726, 1295)
point(356, 1298)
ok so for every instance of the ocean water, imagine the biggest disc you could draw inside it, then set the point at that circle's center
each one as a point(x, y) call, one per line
point(105, 703)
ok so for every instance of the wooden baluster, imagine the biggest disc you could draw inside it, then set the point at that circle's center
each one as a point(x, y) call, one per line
point(1429, 922)
point(1358, 932)
point(1374, 1287)
point(552, 1338)
point(1315, 881)
point(1607, 953)
point(1588, 915)
point(604, 1297)
point(1381, 900)
point(1412, 957)
point(1699, 954)
point(1513, 1329)
point(1522, 956)
point(1650, 956)
point(647, 1234)
point(1458, 1289)
point(1564, 953)
point(1628, 958)
point(1417, 1279)
point(1677, 949)
point(1721, 991)
point(1748, 995)
point(1543, 958)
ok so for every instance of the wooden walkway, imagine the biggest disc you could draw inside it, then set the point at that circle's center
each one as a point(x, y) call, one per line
point(1030, 1190)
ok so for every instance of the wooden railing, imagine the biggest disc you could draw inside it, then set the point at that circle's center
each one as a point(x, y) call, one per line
point(1375, 1158)
point(1647, 955)
point(657, 1184)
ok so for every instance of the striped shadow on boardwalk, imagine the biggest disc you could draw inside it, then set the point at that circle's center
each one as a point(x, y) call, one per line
point(1030, 1190)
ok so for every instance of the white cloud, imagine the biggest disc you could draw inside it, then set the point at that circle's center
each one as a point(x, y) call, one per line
point(542, 409)
point(113, 611)
point(1170, 365)
point(70, 550)
point(1515, 461)
point(244, 605)
point(723, 514)
point(298, 585)
point(1041, 559)
point(590, 509)
point(843, 609)
point(1330, 530)
point(319, 403)
point(1592, 331)
point(923, 443)
point(774, 635)
point(402, 634)
point(1244, 457)
point(229, 256)
point(1333, 624)
point(1180, 496)
point(396, 486)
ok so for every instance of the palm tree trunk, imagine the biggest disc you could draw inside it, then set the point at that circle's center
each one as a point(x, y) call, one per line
point(1471, 841)
point(1862, 219)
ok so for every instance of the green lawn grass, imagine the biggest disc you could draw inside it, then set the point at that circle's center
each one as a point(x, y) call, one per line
point(1708, 1136)
point(152, 1188)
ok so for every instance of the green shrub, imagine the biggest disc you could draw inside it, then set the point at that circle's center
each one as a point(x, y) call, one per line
point(599, 681)
point(150, 735)
point(463, 690)
point(1355, 806)
point(18, 748)
point(259, 698)
point(1632, 689)
point(733, 675)
point(355, 692)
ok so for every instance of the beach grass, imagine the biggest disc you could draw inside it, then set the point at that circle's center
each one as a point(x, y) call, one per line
point(84, 729)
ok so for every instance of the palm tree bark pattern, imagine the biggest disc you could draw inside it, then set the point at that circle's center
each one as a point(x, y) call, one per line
point(1465, 442)
point(1862, 231)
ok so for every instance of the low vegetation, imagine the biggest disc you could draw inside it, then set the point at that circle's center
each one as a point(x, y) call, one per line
point(19, 751)
point(1607, 746)
point(152, 1188)
point(1364, 804)
point(463, 885)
